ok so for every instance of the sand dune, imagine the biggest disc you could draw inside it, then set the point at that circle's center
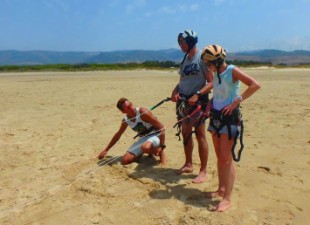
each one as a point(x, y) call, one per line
point(53, 125)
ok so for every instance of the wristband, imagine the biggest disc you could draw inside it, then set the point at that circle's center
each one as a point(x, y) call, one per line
point(163, 146)
point(239, 98)
point(198, 93)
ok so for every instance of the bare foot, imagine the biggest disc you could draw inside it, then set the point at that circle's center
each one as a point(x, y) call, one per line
point(214, 194)
point(185, 169)
point(202, 176)
point(222, 206)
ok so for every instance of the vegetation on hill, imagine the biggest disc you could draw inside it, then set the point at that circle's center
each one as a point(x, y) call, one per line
point(123, 66)
point(125, 58)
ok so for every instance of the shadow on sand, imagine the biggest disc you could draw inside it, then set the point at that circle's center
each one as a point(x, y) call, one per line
point(173, 185)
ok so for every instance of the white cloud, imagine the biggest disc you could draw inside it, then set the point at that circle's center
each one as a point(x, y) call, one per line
point(194, 7)
point(135, 4)
point(178, 9)
point(56, 4)
point(218, 2)
point(167, 10)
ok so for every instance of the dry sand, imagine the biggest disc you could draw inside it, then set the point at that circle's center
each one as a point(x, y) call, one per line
point(53, 125)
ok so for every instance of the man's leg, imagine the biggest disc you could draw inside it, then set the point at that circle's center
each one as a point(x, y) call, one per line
point(203, 153)
point(128, 158)
point(188, 148)
point(151, 148)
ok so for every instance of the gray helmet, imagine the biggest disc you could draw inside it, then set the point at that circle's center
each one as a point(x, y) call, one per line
point(191, 39)
point(189, 36)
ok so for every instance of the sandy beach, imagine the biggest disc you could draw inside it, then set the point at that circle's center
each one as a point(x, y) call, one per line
point(54, 124)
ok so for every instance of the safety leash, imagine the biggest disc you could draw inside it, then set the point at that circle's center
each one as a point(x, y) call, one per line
point(161, 102)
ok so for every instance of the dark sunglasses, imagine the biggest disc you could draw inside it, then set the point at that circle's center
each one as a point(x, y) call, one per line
point(182, 41)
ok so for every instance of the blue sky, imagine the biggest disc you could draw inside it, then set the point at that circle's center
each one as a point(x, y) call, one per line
point(108, 25)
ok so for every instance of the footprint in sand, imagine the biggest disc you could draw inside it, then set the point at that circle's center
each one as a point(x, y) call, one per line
point(8, 136)
point(264, 168)
point(53, 159)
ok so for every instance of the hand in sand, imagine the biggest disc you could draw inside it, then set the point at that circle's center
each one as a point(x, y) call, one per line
point(102, 154)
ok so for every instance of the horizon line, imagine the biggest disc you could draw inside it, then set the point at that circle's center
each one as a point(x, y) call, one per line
point(82, 51)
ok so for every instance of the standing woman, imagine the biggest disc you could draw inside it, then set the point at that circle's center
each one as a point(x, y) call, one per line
point(225, 107)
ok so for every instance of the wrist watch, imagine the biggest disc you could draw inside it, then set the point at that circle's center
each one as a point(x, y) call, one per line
point(239, 98)
point(198, 93)
point(163, 146)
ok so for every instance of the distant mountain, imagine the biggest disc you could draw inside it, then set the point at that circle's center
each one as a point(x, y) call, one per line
point(273, 56)
point(12, 57)
point(137, 56)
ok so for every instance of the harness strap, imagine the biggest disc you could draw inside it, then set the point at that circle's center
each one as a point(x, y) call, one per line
point(189, 136)
point(151, 129)
point(179, 124)
point(237, 159)
point(228, 121)
point(146, 133)
point(217, 129)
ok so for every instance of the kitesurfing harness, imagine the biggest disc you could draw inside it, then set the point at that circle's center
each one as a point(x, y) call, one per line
point(227, 120)
point(152, 130)
point(190, 114)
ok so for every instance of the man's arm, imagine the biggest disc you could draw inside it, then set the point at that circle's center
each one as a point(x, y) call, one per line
point(147, 116)
point(114, 139)
point(209, 84)
point(205, 89)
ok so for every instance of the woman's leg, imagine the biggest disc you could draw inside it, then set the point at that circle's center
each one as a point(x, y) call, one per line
point(221, 188)
point(226, 171)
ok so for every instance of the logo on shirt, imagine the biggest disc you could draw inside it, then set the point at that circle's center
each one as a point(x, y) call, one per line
point(191, 70)
point(140, 128)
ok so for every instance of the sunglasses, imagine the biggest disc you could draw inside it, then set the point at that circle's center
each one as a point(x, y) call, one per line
point(182, 41)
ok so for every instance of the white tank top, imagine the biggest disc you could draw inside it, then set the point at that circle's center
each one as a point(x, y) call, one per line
point(138, 124)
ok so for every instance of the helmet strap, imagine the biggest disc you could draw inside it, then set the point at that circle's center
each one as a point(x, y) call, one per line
point(218, 64)
point(218, 75)
point(184, 58)
point(186, 54)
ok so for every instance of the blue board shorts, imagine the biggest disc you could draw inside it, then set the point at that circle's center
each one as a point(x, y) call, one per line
point(135, 148)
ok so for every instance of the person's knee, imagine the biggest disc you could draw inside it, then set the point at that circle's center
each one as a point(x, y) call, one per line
point(186, 133)
point(201, 130)
point(127, 159)
point(200, 133)
point(146, 147)
point(224, 160)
